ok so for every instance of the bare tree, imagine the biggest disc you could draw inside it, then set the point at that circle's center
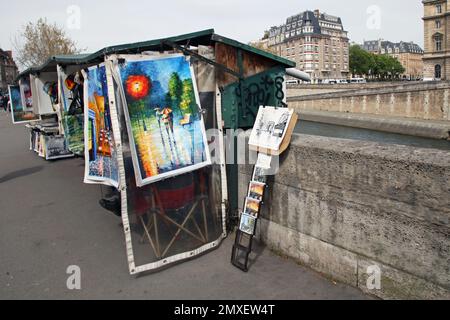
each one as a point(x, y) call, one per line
point(38, 41)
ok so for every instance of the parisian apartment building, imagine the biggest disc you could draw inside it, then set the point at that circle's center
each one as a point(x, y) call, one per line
point(316, 41)
point(437, 43)
point(8, 70)
point(409, 54)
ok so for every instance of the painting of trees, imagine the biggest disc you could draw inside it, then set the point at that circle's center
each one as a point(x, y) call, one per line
point(188, 98)
point(175, 89)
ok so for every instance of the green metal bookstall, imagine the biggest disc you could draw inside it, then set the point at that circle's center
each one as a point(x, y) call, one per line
point(234, 80)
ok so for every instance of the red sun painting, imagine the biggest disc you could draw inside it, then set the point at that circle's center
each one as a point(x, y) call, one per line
point(138, 86)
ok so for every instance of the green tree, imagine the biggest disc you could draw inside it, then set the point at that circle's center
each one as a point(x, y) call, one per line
point(388, 67)
point(397, 68)
point(379, 66)
point(361, 61)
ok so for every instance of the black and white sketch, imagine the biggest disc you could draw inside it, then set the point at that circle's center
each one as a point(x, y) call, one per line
point(56, 148)
point(270, 127)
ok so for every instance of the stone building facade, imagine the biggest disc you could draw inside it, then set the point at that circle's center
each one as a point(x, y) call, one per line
point(409, 54)
point(437, 39)
point(316, 41)
point(8, 70)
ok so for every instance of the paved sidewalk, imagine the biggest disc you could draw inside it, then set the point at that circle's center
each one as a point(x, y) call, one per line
point(50, 220)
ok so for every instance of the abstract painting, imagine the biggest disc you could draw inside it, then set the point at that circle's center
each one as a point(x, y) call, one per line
point(56, 148)
point(164, 118)
point(72, 106)
point(100, 152)
point(18, 112)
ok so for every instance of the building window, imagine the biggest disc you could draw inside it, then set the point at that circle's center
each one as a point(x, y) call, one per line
point(438, 9)
point(437, 71)
point(438, 42)
point(438, 24)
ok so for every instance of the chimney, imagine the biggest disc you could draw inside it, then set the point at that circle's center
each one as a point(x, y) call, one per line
point(317, 13)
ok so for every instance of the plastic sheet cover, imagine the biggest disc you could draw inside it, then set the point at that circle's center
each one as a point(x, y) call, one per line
point(181, 216)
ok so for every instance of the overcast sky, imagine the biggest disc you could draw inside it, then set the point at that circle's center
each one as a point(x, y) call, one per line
point(103, 23)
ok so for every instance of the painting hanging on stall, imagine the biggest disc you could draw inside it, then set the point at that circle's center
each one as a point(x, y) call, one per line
point(18, 112)
point(71, 88)
point(164, 117)
point(100, 151)
point(45, 93)
point(56, 148)
point(26, 93)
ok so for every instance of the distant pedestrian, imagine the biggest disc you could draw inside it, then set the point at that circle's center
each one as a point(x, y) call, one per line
point(6, 103)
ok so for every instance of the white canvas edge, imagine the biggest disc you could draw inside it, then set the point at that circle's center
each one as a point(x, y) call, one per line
point(122, 176)
point(124, 198)
point(88, 179)
point(34, 91)
point(179, 257)
point(223, 161)
point(140, 181)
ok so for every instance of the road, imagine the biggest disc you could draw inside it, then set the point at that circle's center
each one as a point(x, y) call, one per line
point(50, 220)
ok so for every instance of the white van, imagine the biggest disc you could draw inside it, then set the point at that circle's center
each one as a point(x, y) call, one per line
point(292, 82)
point(358, 80)
point(329, 81)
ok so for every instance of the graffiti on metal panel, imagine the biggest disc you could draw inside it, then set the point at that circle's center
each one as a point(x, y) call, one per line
point(267, 91)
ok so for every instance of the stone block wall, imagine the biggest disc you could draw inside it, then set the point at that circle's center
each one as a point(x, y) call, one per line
point(339, 206)
point(426, 101)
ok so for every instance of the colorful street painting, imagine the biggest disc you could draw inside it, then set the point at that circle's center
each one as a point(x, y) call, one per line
point(100, 152)
point(72, 107)
point(18, 112)
point(164, 118)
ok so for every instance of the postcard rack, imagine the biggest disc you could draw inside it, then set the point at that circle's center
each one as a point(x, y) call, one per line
point(270, 137)
point(243, 245)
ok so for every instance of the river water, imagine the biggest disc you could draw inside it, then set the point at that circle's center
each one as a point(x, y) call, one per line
point(336, 131)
